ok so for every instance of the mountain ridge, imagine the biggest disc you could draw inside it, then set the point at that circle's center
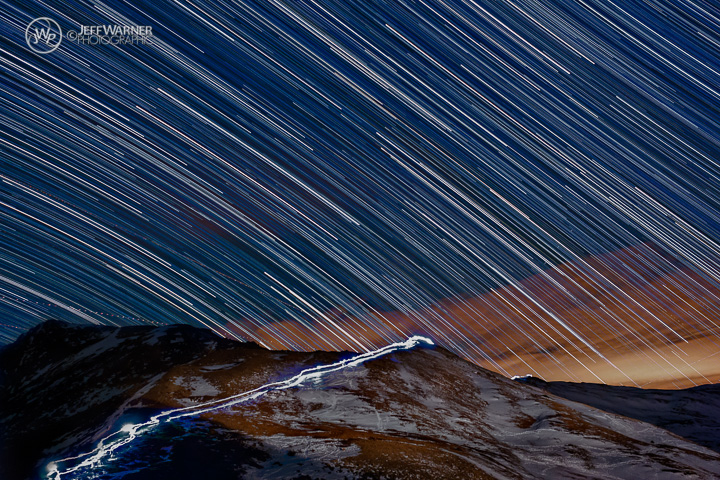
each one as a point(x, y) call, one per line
point(668, 409)
point(405, 415)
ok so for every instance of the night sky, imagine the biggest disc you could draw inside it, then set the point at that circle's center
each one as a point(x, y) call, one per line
point(337, 174)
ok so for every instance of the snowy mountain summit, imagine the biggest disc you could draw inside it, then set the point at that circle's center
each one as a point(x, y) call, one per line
point(417, 413)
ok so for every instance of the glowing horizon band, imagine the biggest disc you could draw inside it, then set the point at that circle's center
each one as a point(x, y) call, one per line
point(135, 430)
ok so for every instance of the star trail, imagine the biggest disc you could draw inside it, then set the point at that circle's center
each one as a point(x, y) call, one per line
point(533, 185)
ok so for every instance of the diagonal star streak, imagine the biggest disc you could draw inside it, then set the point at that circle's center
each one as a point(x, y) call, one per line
point(322, 174)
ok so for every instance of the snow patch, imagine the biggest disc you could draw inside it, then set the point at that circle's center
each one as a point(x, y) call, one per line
point(198, 386)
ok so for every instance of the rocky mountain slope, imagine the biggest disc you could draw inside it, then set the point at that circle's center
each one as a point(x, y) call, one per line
point(422, 413)
point(691, 413)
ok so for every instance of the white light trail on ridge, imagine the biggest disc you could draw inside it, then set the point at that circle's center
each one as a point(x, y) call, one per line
point(130, 432)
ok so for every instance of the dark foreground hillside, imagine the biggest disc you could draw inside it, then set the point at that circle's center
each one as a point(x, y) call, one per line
point(422, 413)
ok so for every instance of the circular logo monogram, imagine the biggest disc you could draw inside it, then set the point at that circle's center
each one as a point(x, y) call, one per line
point(43, 35)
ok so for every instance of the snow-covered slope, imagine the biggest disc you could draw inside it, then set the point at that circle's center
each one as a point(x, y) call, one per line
point(693, 413)
point(423, 413)
point(62, 383)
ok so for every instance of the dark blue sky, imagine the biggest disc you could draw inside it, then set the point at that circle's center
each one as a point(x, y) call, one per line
point(275, 160)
